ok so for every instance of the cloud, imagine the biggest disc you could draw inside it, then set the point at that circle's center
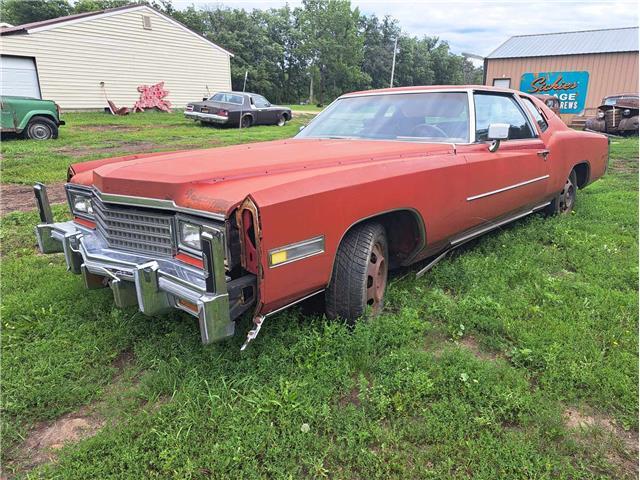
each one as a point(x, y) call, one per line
point(478, 27)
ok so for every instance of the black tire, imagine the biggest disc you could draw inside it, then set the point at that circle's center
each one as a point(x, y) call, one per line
point(353, 287)
point(41, 128)
point(246, 121)
point(282, 119)
point(563, 203)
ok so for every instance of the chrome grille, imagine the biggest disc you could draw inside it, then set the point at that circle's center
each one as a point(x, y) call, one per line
point(132, 229)
point(612, 118)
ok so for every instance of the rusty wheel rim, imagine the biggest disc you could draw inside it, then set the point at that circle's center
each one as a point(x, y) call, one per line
point(376, 278)
point(567, 197)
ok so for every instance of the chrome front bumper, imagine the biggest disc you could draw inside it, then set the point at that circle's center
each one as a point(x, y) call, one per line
point(206, 117)
point(155, 285)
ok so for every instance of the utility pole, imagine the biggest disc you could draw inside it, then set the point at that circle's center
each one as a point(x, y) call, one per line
point(244, 85)
point(393, 64)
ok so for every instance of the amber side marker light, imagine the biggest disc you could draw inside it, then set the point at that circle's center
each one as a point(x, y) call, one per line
point(188, 305)
point(296, 251)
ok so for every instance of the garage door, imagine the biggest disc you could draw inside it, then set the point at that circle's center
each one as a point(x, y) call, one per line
point(18, 77)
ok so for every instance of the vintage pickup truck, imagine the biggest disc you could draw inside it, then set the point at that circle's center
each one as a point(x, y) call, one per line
point(380, 179)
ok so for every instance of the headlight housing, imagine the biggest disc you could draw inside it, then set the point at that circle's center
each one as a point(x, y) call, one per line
point(189, 235)
point(626, 112)
point(600, 114)
point(80, 203)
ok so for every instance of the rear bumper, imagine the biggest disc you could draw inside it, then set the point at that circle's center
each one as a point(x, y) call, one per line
point(206, 117)
point(155, 285)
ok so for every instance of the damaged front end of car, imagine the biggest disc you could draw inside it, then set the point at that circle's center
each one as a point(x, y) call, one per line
point(152, 255)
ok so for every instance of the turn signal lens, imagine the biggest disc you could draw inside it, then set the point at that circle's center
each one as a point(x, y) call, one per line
point(278, 257)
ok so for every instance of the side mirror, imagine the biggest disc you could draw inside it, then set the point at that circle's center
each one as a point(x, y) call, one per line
point(204, 99)
point(497, 132)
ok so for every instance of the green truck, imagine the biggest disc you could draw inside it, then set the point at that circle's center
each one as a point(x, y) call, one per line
point(30, 117)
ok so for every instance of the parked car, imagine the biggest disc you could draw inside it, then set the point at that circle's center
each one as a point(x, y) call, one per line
point(550, 101)
point(617, 115)
point(30, 117)
point(238, 109)
point(380, 179)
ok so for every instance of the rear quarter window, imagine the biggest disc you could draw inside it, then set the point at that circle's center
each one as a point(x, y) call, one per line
point(535, 113)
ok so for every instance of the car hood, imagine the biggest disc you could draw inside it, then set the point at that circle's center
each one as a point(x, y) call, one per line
point(218, 179)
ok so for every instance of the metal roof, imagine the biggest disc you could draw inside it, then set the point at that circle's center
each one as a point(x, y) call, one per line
point(569, 43)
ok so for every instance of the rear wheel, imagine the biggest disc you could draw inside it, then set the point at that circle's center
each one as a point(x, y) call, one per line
point(246, 121)
point(41, 128)
point(564, 202)
point(359, 277)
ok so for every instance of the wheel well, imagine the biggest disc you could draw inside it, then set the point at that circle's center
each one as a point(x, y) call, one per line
point(42, 115)
point(582, 174)
point(405, 232)
point(287, 116)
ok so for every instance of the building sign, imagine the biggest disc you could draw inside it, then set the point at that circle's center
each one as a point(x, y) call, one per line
point(569, 87)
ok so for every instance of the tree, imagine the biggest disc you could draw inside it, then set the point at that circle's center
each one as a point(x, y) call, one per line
point(334, 46)
point(17, 12)
point(379, 41)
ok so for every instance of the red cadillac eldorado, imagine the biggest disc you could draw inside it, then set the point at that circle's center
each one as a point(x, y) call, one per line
point(380, 179)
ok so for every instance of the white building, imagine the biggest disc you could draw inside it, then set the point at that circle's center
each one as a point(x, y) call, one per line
point(77, 60)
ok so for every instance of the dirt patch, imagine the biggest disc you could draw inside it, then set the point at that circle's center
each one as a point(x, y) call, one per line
point(108, 128)
point(46, 438)
point(624, 165)
point(121, 148)
point(625, 457)
point(352, 397)
point(470, 343)
point(42, 442)
point(19, 198)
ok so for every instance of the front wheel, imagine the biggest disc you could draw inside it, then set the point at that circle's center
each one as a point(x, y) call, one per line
point(563, 203)
point(282, 119)
point(41, 128)
point(359, 277)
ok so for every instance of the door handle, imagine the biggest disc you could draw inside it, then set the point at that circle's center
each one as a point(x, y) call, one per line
point(543, 153)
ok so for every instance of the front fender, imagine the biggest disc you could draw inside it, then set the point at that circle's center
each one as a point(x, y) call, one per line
point(36, 113)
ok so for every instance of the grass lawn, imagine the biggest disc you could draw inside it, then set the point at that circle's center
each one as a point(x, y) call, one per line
point(515, 357)
point(89, 136)
point(306, 108)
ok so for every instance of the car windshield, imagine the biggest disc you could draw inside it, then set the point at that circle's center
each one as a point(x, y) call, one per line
point(419, 117)
point(227, 98)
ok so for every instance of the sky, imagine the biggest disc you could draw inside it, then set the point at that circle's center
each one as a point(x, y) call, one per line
point(476, 27)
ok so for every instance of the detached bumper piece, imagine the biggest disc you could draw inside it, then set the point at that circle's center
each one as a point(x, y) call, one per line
point(206, 117)
point(155, 285)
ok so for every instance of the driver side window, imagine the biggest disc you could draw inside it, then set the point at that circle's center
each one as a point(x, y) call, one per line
point(491, 108)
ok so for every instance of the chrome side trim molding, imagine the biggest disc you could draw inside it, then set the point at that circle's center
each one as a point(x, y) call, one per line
point(306, 248)
point(504, 189)
point(460, 240)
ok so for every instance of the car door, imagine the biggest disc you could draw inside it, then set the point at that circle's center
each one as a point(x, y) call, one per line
point(266, 115)
point(7, 116)
point(516, 175)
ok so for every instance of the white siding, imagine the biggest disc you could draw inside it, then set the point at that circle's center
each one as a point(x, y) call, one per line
point(72, 59)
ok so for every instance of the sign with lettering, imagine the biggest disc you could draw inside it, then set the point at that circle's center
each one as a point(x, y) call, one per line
point(569, 87)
